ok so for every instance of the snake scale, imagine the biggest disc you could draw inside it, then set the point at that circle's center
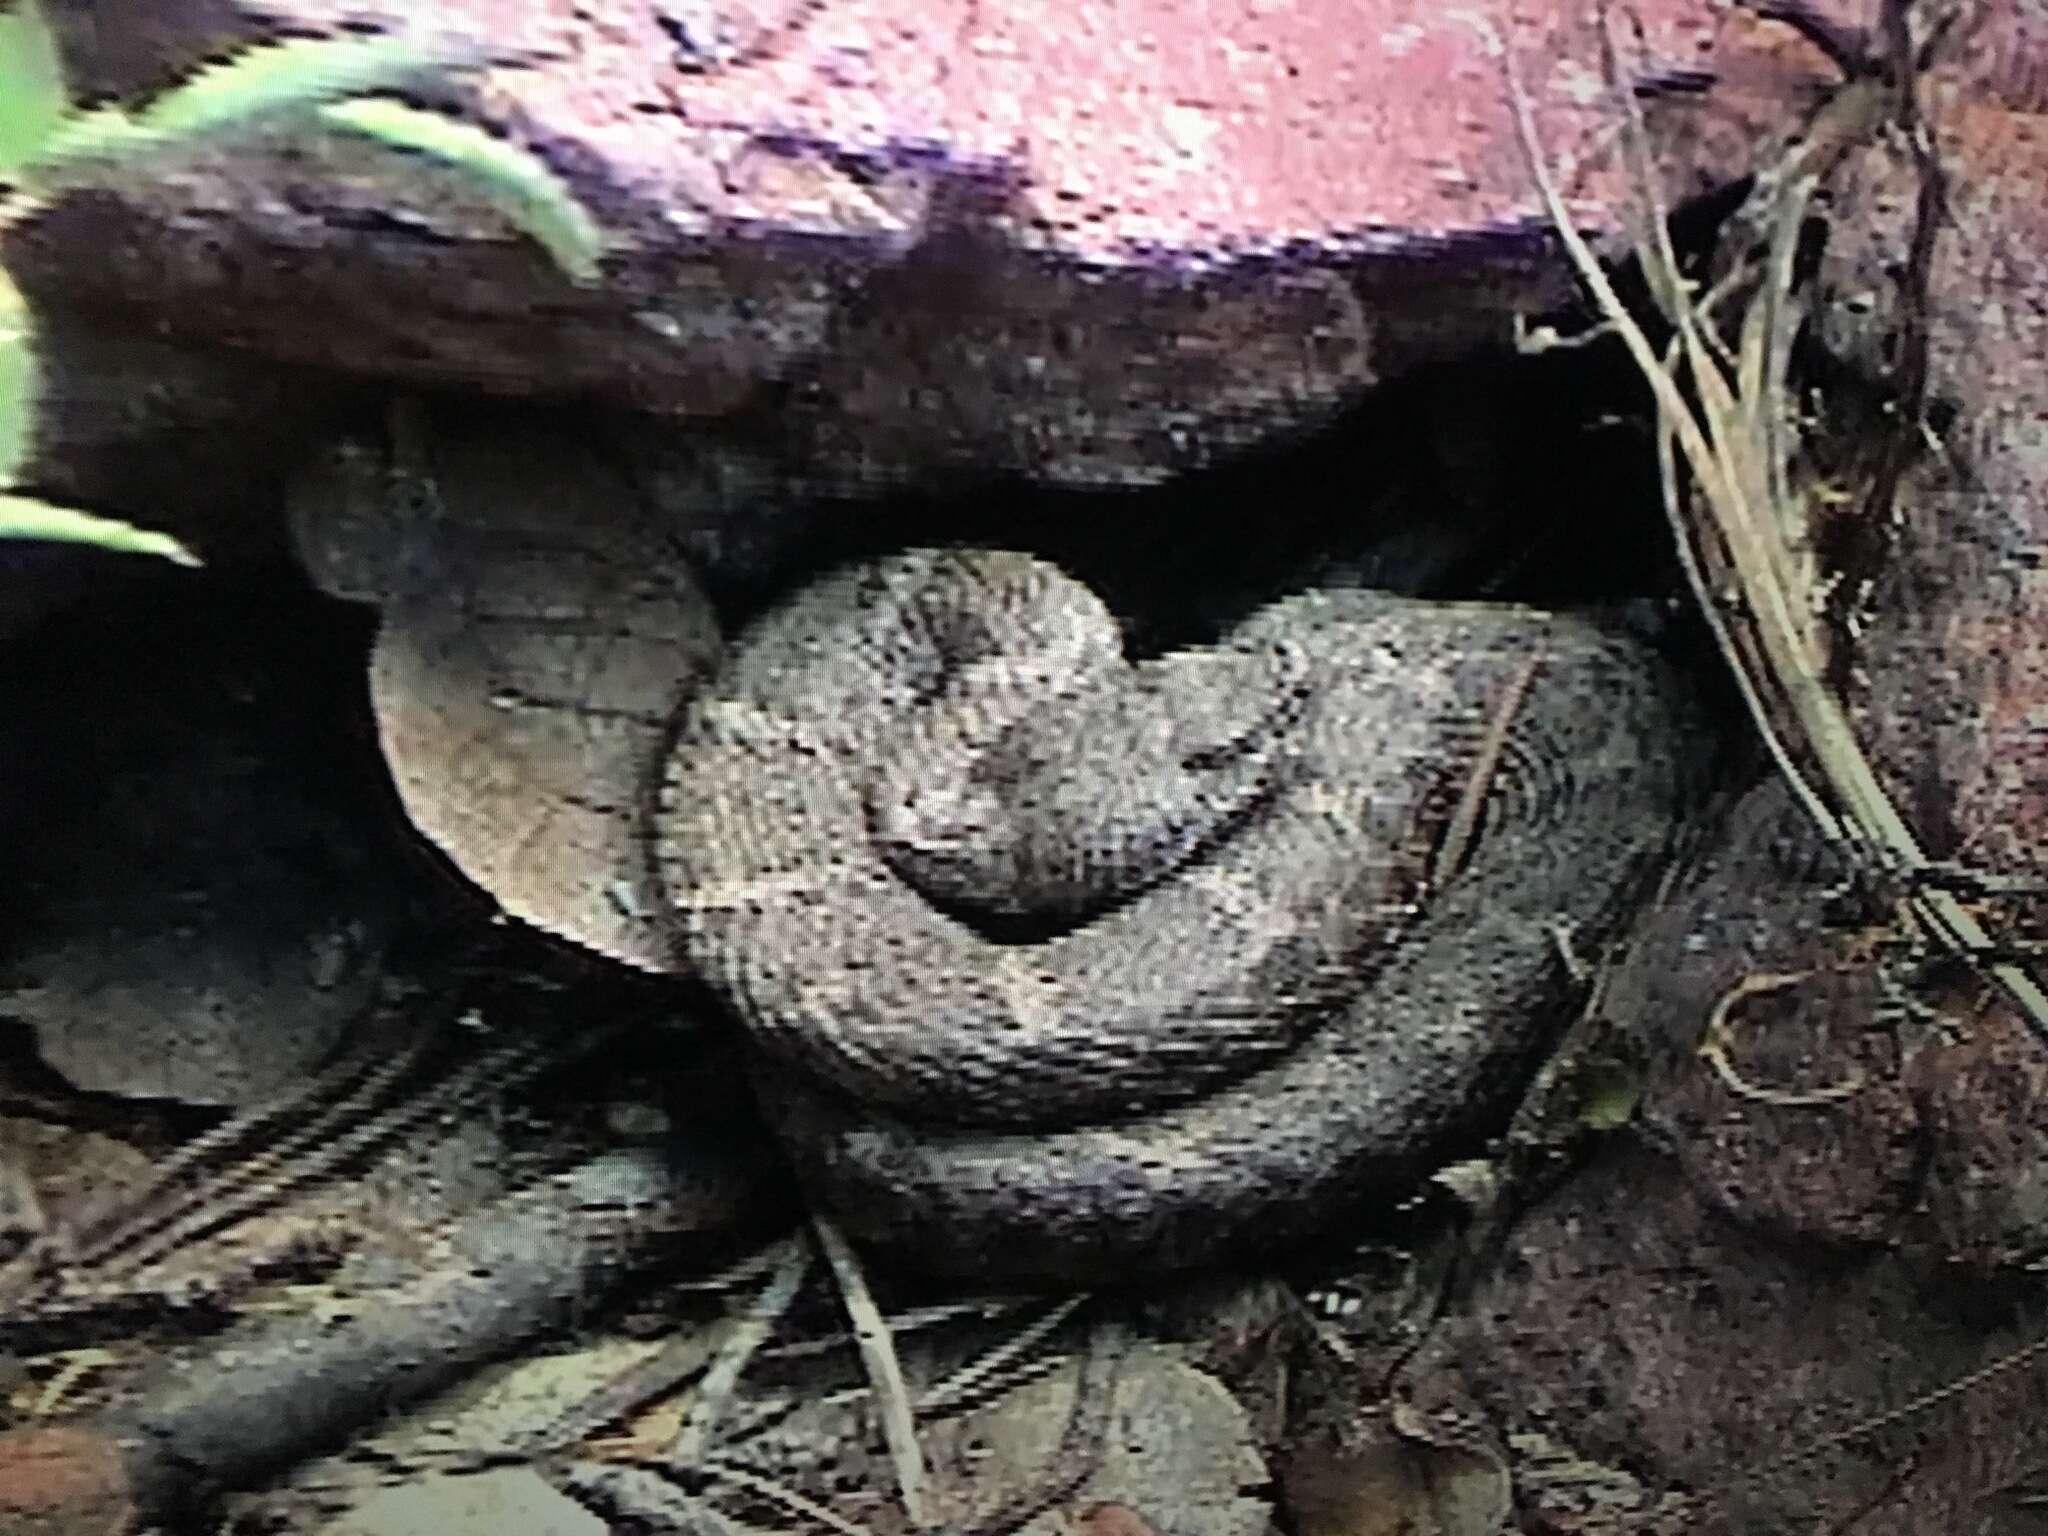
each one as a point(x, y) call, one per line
point(1060, 964)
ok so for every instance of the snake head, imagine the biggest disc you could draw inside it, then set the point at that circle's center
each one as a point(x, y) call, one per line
point(1098, 792)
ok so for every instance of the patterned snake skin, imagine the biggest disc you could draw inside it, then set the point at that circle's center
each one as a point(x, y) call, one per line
point(1059, 963)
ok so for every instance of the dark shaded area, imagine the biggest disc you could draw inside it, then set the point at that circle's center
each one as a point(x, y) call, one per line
point(1515, 478)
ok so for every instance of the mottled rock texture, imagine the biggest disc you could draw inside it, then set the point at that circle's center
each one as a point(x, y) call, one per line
point(884, 239)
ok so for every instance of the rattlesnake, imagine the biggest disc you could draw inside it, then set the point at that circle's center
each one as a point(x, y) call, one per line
point(1320, 925)
point(1280, 962)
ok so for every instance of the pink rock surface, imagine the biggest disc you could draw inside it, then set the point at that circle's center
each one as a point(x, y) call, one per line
point(1094, 242)
point(1950, 649)
point(1123, 132)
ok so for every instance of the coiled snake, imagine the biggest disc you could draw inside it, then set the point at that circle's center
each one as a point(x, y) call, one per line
point(1302, 903)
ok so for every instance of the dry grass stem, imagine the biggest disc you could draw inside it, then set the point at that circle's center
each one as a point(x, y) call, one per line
point(885, 1372)
point(1720, 1031)
point(748, 1332)
point(1736, 436)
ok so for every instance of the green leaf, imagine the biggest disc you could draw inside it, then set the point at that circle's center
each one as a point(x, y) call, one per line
point(1608, 1096)
point(289, 75)
point(103, 136)
point(18, 381)
point(512, 178)
point(32, 99)
point(29, 517)
point(250, 90)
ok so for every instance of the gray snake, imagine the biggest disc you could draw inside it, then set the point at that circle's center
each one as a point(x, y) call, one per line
point(1312, 894)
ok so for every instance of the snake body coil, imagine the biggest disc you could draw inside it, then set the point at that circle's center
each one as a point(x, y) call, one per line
point(1308, 895)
